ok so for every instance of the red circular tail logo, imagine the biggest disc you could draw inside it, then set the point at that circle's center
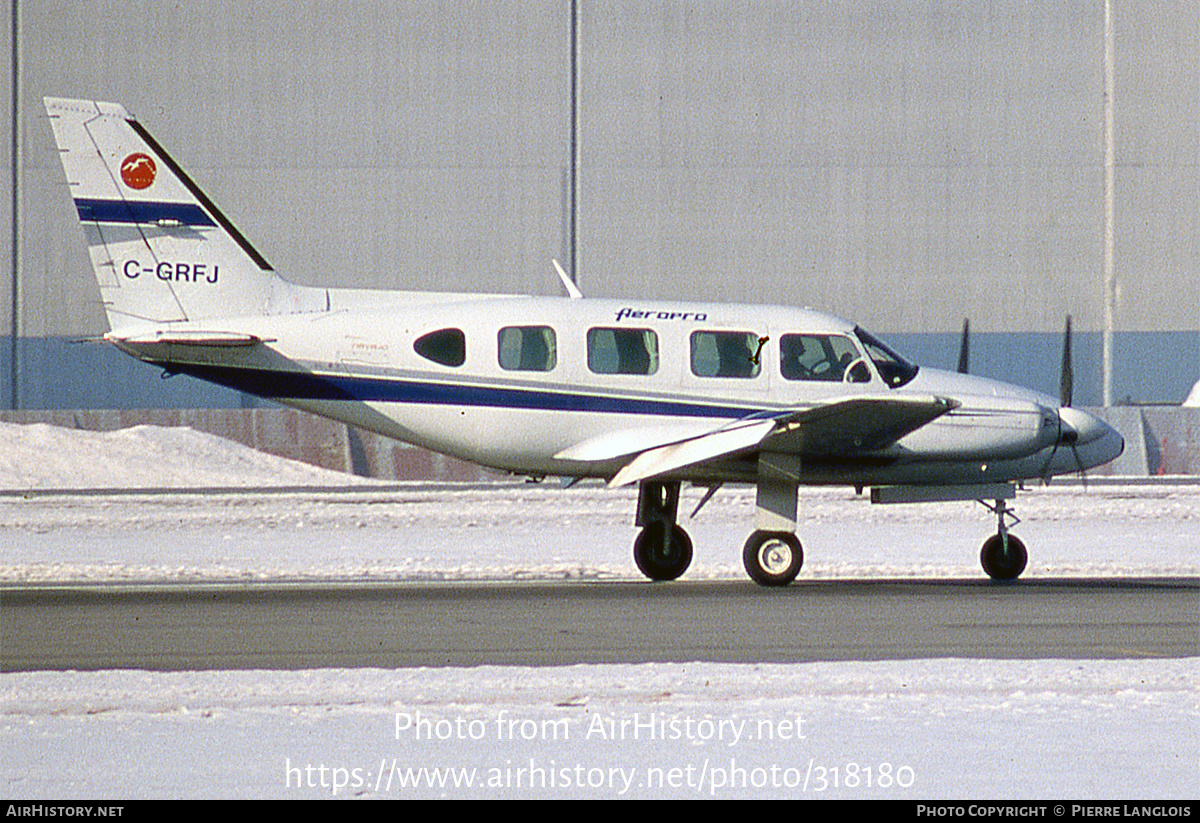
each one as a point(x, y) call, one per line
point(138, 170)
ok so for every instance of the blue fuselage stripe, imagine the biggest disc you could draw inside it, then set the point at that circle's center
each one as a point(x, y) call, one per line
point(306, 386)
point(141, 212)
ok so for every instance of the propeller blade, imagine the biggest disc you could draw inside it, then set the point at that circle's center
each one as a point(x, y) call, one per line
point(1079, 463)
point(1066, 383)
point(964, 347)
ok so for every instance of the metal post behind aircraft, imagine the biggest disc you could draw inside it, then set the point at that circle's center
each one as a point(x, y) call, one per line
point(631, 391)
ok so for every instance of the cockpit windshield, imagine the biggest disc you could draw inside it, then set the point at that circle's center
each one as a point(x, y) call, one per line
point(894, 369)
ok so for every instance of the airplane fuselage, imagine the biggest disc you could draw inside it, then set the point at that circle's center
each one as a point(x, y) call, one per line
point(477, 400)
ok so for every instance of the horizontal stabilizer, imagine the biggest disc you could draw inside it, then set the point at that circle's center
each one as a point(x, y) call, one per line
point(183, 337)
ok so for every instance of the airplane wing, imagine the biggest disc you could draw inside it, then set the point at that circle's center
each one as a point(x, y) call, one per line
point(857, 425)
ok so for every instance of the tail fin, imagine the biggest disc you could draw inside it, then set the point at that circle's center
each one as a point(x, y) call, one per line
point(161, 250)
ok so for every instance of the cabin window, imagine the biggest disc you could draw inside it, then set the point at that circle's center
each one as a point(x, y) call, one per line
point(820, 357)
point(445, 346)
point(726, 354)
point(528, 348)
point(622, 351)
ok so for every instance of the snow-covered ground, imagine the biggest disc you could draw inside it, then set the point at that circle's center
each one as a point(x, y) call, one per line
point(933, 728)
point(524, 531)
point(924, 729)
point(40, 456)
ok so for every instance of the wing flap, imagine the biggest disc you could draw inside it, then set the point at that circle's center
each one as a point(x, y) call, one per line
point(630, 442)
point(721, 443)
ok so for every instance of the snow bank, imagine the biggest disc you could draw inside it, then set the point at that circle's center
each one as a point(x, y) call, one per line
point(41, 456)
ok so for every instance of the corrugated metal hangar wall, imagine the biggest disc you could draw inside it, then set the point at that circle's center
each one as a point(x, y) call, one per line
point(905, 163)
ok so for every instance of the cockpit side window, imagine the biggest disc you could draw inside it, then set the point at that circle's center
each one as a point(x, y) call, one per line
point(726, 354)
point(622, 351)
point(447, 347)
point(894, 369)
point(817, 357)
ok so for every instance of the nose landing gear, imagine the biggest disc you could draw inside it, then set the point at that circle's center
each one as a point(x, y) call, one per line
point(1003, 556)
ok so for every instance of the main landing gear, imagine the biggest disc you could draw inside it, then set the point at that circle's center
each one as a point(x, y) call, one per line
point(662, 550)
point(772, 556)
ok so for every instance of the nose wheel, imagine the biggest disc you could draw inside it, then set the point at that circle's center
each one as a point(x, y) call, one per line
point(1003, 556)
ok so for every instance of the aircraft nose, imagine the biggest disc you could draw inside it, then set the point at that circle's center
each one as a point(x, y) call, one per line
point(1094, 441)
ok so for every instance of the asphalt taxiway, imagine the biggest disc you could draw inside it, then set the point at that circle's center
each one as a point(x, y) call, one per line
point(353, 624)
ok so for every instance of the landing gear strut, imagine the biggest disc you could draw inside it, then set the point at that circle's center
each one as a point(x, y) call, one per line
point(662, 550)
point(1003, 556)
point(773, 555)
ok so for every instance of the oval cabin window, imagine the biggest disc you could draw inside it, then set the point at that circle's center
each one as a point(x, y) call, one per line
point(445, 346)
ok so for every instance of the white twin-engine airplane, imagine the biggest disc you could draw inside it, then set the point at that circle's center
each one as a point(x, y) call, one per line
point(644, 392)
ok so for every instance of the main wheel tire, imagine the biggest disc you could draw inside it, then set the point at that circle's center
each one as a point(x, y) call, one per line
point(1000, 564)
point(658, 558)
point(773, 558)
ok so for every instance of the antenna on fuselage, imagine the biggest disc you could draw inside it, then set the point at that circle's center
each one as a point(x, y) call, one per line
point(567, 282)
